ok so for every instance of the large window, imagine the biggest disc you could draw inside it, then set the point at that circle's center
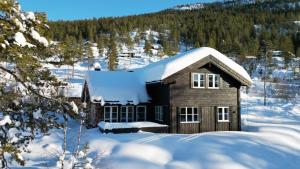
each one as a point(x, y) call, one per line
point(127, 114)
point(223, 114)
point(213, 81)
point(198, 80)
point(111, 113)
point(141, 113)
point(189, 115)
point(159, 113)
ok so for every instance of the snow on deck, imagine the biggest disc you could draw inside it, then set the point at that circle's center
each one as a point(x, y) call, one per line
point(141, 124)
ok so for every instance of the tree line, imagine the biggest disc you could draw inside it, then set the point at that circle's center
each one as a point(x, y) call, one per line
point(234, 28)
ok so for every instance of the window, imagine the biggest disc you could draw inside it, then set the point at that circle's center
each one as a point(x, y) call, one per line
point(159, 114)
point(189, 115)
point(127, 114)
point(213, 81)
point(111, 113)
point(141, 113)
point(198, 80)
point(223, 114)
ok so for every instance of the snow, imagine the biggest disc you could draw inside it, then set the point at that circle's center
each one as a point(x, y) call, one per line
point(20, 25)
point(74, 107)
point(121, 87)
point(30, 16)
point(35, 35)
point(21, 41)
point(6, 120)
point(167, 67)
point(37, 114)
point(144, 124)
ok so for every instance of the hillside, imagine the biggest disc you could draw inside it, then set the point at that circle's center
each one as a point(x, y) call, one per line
point(239, 28)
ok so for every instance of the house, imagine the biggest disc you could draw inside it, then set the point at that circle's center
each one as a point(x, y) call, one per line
point(193, 92)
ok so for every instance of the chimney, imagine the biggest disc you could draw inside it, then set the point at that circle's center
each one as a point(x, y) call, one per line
point(97, 66)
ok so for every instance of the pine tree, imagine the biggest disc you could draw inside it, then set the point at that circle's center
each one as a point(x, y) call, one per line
point(88, 52)
point(147, 47)
point(23, 45)
point(112, 53)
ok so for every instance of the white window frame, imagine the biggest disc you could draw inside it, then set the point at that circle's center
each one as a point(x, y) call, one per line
point(223, 114)
point(137, 113)
point(159, 113)
point(198, 80)
point(126, 114)
point(110, 119)
point(186, 115)
point(214, 81)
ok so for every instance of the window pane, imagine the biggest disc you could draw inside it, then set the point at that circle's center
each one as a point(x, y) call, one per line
point(196, 84)
point(220, 116)
point(210, 80)
point(195, 110)
point(114, 109)
point(202, 77)
point(107, 109)
point(195, 77)
point(201, 83)
point(123, 109)
point(182, 110)
point(196, 117)
point(130, 109)
point(189, 118)
point(189, 110)
point(115, 115)
point(182, 118)
point(216, 81)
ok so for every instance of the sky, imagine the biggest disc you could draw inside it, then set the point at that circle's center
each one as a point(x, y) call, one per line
point(86, 9)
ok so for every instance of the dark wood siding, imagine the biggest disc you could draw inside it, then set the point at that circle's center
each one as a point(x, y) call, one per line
point(159, 94)
point(207, 100)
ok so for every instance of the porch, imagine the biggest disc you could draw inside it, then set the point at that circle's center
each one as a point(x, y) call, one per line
point(132, 127)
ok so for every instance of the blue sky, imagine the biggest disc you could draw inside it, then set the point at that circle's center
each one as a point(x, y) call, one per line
point(83, 9)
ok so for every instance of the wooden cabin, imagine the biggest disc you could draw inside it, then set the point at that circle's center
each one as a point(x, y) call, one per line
point(193, 92)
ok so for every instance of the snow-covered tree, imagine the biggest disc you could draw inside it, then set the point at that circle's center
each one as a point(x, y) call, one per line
point(26, 87)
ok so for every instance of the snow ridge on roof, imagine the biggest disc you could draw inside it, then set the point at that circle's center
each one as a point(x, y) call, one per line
point(167, 67)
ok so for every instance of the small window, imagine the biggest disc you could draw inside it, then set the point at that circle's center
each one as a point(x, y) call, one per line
point(188, 115)
point(213, 81)
point(159, 114)
point(198, 80)
point(111, 114)
point(223, 114)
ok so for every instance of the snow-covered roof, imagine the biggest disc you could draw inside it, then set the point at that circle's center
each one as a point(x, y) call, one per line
point(167, 67)
point(123, 87)
point(119, 87)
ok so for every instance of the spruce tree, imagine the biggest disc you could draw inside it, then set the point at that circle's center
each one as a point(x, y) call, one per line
point(112, 53)
point(26, 97)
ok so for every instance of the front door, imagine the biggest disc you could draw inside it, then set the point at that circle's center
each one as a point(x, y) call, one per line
point(127, 114)
point(208, 119)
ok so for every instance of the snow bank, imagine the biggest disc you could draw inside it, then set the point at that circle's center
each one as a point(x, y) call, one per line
point(110, 126)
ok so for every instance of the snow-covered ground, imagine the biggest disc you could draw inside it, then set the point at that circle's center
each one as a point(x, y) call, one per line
point(270, 139)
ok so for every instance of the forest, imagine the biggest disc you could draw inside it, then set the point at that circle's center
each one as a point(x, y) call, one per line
point(237, 28)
